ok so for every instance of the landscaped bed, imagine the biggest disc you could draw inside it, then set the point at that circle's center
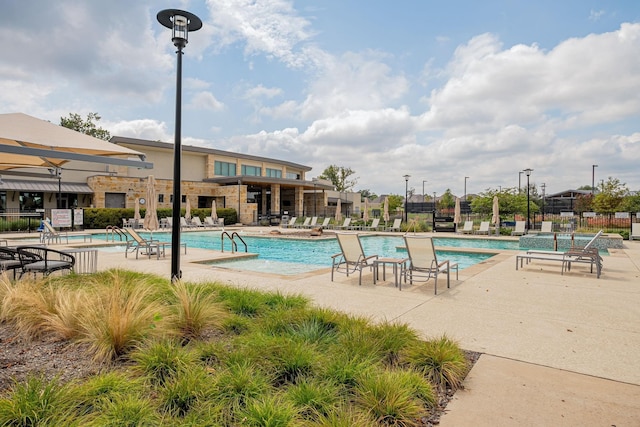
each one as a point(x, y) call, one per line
point(122, 348)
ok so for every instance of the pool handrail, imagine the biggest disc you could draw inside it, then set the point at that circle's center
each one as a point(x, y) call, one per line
point(234, 244)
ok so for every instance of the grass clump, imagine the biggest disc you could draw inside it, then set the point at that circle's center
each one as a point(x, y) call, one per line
point(195, 309)
point(162, 360)
point(37, 402)
point(121, 316)
point(441, 360)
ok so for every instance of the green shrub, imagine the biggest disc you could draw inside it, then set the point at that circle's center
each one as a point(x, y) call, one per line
point(127, 410)
point(315, 399)
point(182, 392)
point(442, 361)
point(268, 411)
point(162, 360)
point(37, 402)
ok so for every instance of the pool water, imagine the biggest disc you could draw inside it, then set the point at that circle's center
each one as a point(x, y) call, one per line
point(289, 256)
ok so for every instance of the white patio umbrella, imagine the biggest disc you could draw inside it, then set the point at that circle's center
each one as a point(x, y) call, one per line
point(214, 213)
point(365, 215)
point(338, 217)
point(385, 211)
point(457, 218)
point(151, 222)
point(187, 214)
point(495, 218)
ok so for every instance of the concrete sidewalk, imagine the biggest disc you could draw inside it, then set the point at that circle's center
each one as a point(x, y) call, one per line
point(557, 349)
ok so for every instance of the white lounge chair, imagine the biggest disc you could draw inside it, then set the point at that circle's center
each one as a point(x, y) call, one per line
point(325, 223)
point(546, 227)
point(352, 257)
point(291, 222)
point(313, 223)
point(305, 224)
point(396, 225)
point(345, 225)
point(208, 221)
point(467, 229)
point(424, 263)
point(375, 223)
point(520, 229)
point(635, 231)
point(195, 222)
point(484, 228)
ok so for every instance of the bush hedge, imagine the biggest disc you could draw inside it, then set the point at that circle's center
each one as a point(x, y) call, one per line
point(97, 218)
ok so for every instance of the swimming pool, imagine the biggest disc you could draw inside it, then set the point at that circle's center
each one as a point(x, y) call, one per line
point(291, 256)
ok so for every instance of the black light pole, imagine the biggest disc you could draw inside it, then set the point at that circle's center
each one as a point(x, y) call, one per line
point(528, 172)
point(406, 197)
point(180, 22)
point(544, 187)
point(593, 179)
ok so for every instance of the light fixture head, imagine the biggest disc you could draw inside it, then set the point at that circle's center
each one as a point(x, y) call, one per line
point(528, 171)
point(406, 177)
point(181, 23)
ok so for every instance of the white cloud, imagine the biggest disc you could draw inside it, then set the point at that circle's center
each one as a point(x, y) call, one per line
point(206, 101)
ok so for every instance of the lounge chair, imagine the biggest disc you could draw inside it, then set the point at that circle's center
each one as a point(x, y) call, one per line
point(304, 224)
point(587, 254)
point(520, 229)
point(375, 223)
point(396, 225)
point(196, 222)
point(313, 223)
point(484, 228)
point(184, 224)
point(291, 223)
point(352, 257)
point(345, 225)
point(51, 235)
point(148, 247)
point(467, 229)
point(635, 231)
point(423, 261)
point(325, 223)
point(208, 221)
point(40, 259)
point(546, 227)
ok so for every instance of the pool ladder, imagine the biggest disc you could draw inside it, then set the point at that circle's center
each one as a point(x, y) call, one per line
point(112, 231)
point(234, 244)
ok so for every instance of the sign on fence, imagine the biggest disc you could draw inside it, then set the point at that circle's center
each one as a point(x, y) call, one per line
point(566, 214)
point(78, 217)
point(61, 217)
point(588, 214)
point(622, 215)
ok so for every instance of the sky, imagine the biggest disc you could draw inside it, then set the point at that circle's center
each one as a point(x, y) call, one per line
point(438, 91)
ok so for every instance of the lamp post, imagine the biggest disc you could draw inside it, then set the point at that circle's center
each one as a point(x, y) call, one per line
point(528, 173)
point(406, 197)
point(593, 179)
point(519, 180)
point(435, 207)
point(180, 22)
point(314, 195)
point(544, 187)
point(465, 188)
point(423, 190)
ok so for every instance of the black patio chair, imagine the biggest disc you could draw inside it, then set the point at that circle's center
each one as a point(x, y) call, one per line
point(40, 259)
point(9, 260)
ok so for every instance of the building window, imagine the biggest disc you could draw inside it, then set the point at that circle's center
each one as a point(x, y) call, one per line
point(30, 201)
point(3, 201)
point(293, 175)
point(160, 198)
point(251, 170)
point(224, 168)
point(274, 173)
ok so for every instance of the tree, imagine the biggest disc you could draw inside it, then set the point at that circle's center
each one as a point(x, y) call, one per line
point(510, 200)
point(610, 199)
point(367, 194)
point(88, 126)
point(395, 202)
point(338, 176)
point(447, 200)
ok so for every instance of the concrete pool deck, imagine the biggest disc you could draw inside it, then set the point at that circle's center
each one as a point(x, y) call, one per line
point(556, 349)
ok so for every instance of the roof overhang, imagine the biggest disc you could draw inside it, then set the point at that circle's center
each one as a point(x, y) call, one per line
point(45, 187)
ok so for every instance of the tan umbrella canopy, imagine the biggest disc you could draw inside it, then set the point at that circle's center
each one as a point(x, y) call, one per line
point(365, 216)
point(136, 210)
point(214, 213)
point(49, 145)
point(151, 215)
point(495, 218)
point(385, 214)
point(457, 218)
point(338, 217)
point(187, 213)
